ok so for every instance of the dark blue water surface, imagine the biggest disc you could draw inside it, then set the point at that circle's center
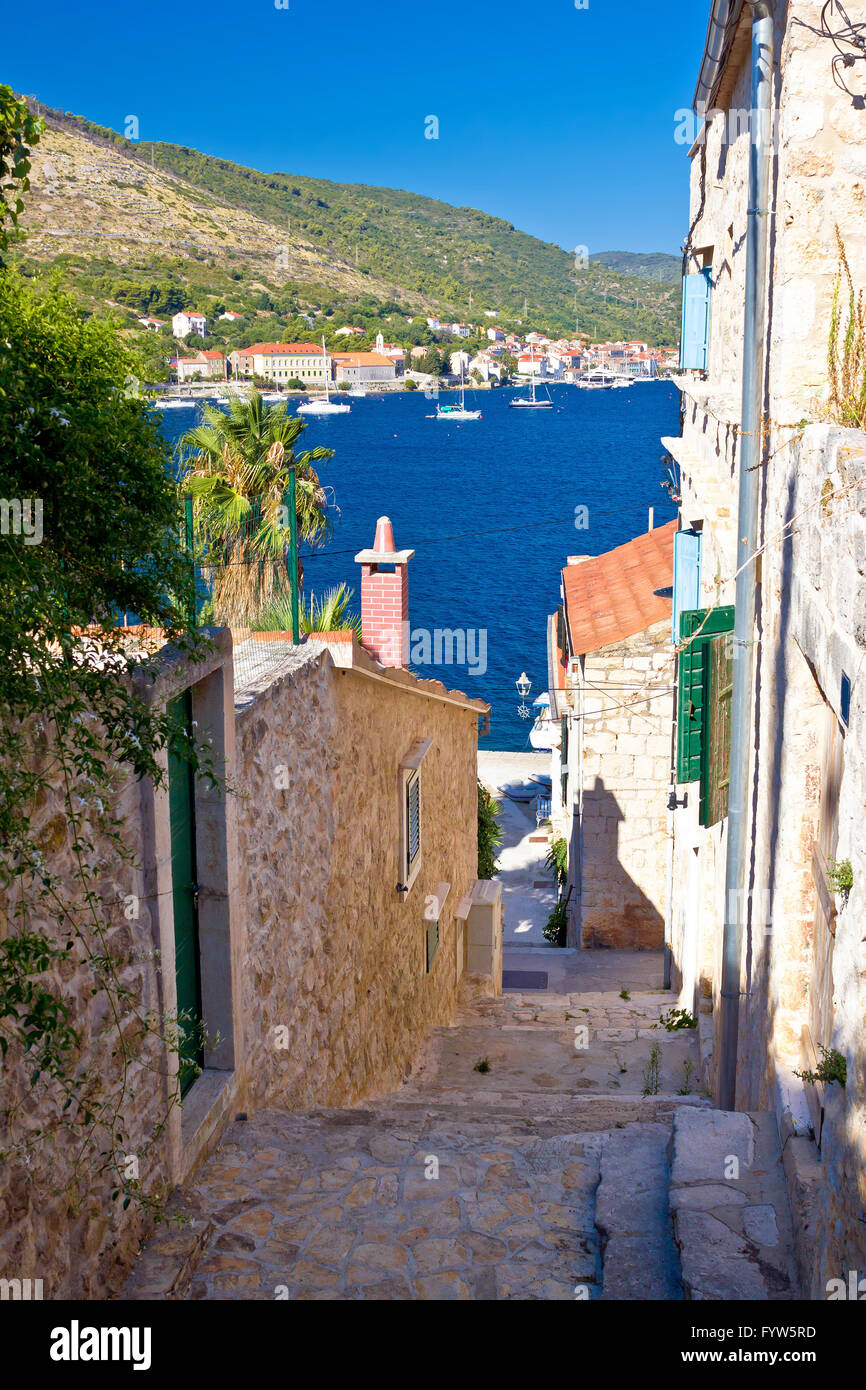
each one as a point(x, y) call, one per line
point(488, 506)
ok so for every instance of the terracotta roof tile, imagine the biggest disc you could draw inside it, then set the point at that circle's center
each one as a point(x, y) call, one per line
point(613, 596)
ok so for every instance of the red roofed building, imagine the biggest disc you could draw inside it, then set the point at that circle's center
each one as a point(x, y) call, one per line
point(209, 364)
point(611, 677)
point(282, 362)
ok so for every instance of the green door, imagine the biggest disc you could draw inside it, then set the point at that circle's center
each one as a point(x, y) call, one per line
point(181, 789)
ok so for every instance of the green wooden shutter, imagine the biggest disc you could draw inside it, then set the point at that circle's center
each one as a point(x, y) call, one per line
point(181, 791)
point(698, 626)
point(715, 773)
point(413, 821)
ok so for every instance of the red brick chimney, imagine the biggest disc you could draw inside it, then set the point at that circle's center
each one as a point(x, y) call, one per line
point(385, 598)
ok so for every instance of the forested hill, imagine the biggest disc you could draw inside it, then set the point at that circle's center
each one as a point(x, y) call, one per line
point(657, 266)
point(352, 239)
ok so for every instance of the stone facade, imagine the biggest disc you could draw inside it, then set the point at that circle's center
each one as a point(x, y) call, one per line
point(337, 995)
point(614, 818)
point(803, 962)
point(315, 984)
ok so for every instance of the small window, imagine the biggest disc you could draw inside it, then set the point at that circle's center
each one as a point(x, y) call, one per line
point(845, 700)
point(413, 822)
point(411, 841)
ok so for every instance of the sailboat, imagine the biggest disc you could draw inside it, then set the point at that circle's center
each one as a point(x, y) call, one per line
point(458, 412)
point(532, 403)
point(326, 406)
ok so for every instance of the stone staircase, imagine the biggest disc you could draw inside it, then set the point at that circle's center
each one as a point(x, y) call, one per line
point(524, 1159)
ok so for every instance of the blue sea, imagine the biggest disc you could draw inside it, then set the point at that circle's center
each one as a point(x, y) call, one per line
point(492, 509)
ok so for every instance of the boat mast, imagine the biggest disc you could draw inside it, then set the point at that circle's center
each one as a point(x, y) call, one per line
point(325, 357)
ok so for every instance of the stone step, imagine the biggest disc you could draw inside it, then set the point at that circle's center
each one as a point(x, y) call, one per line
point(731, 1216)
point(639, 1258)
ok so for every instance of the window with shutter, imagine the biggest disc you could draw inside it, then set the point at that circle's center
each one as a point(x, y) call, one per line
point(698, 628)
point(563, 758)
point(432, 942)
point(413, 821)
point(695, 341)
point(715, 772)
point(687, 576)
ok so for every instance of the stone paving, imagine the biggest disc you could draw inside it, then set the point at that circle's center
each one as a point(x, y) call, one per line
point(464, 1184)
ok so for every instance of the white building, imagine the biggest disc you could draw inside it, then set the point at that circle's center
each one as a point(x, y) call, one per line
point(188, 321)
point(358, 367)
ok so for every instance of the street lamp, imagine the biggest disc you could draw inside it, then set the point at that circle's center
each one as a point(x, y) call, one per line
point(524, 685)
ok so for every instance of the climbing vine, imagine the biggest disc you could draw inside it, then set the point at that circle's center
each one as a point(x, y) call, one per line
point(88, 534)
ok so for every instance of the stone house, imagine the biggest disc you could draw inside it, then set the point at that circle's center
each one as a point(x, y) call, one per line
point(772, 94)
point(611, 666)
point(206, 365)
point(318, 909)
point(358, 367)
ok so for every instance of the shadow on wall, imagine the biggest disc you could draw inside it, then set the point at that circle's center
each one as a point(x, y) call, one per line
point(615, 912)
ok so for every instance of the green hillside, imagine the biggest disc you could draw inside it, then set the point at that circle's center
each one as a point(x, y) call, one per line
point(407, 247)
point(657, 266)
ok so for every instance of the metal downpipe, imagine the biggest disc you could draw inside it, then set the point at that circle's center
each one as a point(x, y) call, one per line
point(751, 442)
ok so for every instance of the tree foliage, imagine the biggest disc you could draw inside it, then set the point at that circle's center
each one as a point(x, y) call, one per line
point(88, 533)
point(236, 470)
point(19, 131)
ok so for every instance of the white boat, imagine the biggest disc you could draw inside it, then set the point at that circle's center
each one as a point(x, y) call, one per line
point(326, 406)
point(458, 412)
point(532, 403)
point(599, 380)
point(540, 733)
point(357, 393)
point(174, 403)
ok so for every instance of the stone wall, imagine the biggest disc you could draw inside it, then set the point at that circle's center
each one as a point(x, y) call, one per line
point(59, 1221)
point(314, 980)
point(811, 622)
point(623, 746)
point(336, 993)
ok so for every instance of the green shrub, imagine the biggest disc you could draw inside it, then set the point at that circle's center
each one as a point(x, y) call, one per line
point(557, 861)
point(489, 832)
point(556, 930)
point(832, 1067)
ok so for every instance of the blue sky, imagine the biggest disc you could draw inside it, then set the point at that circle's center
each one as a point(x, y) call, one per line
point(559, 119)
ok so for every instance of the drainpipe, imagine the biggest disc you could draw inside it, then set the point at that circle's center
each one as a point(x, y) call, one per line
point(751, 449)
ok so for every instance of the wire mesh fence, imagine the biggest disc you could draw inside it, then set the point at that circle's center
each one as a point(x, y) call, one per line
point(242, 579)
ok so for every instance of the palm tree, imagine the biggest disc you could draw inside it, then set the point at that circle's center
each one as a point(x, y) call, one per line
point(330, 613)
point(237, 472)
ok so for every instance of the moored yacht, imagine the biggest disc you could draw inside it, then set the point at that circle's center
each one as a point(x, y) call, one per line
point(326, 406)
point(457, 412)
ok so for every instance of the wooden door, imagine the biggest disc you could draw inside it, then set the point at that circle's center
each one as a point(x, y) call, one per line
point(181, 786)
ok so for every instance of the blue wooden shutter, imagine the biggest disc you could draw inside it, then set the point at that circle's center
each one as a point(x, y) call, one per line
point(413, 821)
point(697, 289)
point(687, 576)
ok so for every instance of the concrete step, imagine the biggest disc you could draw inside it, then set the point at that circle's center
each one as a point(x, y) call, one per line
point(729, 1199)
point(639, 1258)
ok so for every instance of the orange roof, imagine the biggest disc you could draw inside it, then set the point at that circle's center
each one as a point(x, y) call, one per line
point(560, 665)
point(613, 596)
point(280, 349)
point(362, 359)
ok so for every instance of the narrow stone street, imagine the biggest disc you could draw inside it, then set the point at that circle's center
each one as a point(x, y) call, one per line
point(522, 1160)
